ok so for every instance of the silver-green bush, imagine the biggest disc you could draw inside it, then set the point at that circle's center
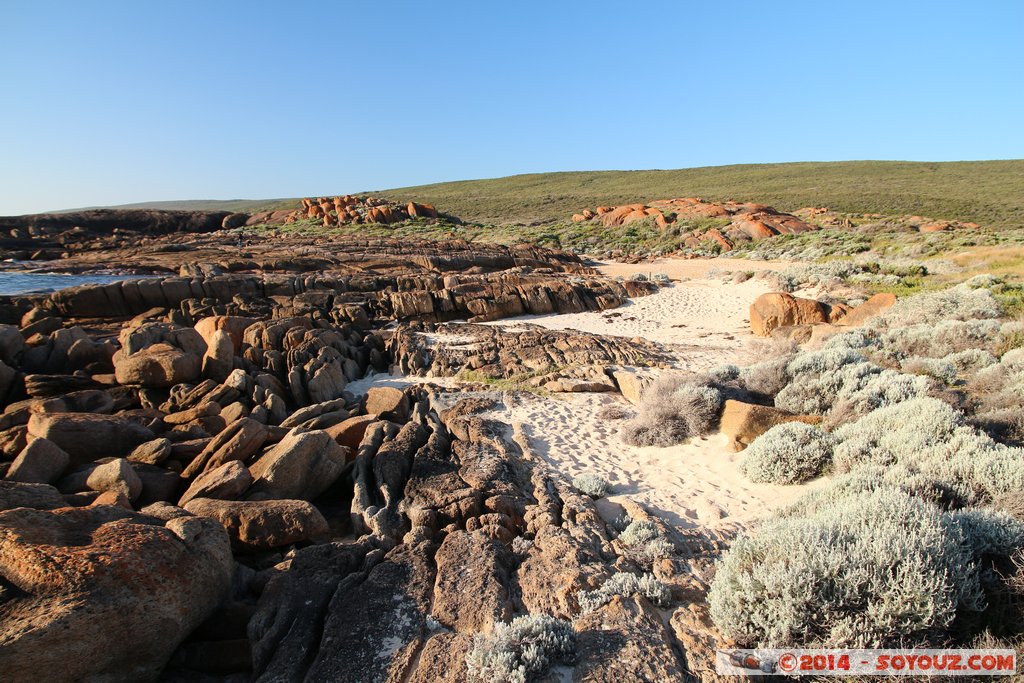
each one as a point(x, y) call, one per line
point(522, 650)
point(766, 378)
point(929, 437)
point(869, 570)
point(626, 585)
point(963, 302)
point(789, 453)
point(646, 540)
point(673, 409)
point(591, 485)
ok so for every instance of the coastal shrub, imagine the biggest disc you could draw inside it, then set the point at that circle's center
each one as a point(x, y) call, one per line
point(627, 585)
point(521, 651)
point(817, 378)
point(939, 340)
point(988, 532)
point(788, 453)
point(591, 485)
point(639, 532)
point(872, 389)
point(673, 409)
point(723, 373)
point(866, 478)
point(962, 302)
point(874, 569)
point(840, 381)
point(939, 368)
point(1013, 360)
point(927, 436)
point(646, 540)
point(766, 378)
point(1003, 424)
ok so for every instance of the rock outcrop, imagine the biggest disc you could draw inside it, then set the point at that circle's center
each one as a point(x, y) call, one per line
point(778, 309)
point(103, 593)
point(739, 221)
point(526, 350)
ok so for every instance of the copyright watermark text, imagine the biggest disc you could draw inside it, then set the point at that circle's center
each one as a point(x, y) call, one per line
point(794, 662)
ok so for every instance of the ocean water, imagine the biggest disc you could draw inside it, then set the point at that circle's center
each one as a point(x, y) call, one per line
point(39, 283)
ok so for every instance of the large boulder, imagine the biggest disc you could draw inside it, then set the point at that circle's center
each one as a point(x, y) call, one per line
point(158, 367)
point(301, 466)
point(87, 437)
point(238, 441)
point(349, 433)
point(220, 357)
point(867, 310)
point(744, 422)
point(12, 345)
point(41, 462)
point(388, 403)
point(263, 524)
point(778, 309)
point(22, 495)
point(104, 594)
point(233, 325)
point(227, 482)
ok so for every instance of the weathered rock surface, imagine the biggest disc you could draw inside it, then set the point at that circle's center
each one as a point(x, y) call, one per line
point(301, 466)
point(42, 462)
point(387, 403)
point(471, 596)
point(159, 366)
point(102, 593)
point(505, 353)
point(744, 422)
point(262, 524)
point(86, 437)
point(626, 640)
point(779, 309)
point(25, 495)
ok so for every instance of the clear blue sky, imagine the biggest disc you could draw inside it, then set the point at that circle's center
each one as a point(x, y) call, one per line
point(115, 102)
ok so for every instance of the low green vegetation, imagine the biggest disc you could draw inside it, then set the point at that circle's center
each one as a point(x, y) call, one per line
point(986, 192)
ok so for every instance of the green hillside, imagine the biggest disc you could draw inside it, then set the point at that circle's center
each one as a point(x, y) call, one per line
point(987, 192)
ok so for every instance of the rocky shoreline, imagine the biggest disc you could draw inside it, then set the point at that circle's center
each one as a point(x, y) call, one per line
point(184, 464)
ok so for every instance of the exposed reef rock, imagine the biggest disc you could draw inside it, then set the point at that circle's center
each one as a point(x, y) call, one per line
point(500, 352)
point(194, 489)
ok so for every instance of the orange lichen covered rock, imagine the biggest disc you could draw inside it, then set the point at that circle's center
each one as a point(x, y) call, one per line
point(778, 309)
point(742, 221)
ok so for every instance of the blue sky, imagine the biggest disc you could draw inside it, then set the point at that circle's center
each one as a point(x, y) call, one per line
point(115, 102)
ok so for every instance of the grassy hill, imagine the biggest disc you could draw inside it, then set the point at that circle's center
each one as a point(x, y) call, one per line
point(987, 192)
point(242, 205)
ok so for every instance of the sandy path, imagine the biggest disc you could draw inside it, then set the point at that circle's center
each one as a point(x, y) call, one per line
point(689, 485)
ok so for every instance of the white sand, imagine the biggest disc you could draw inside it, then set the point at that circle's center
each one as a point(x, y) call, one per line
point(702, 321)
point(689, 485)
